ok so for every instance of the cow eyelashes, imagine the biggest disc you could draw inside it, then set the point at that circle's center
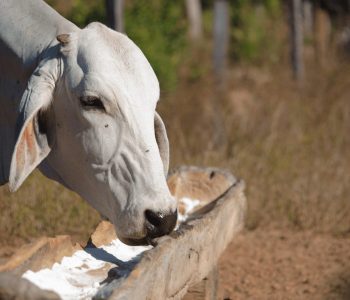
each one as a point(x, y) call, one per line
point(91, 102)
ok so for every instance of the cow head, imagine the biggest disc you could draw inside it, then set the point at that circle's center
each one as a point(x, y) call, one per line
point(88, 120)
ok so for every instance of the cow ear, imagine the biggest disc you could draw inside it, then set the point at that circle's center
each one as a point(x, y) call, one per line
point(33, 144)
point(162, 141)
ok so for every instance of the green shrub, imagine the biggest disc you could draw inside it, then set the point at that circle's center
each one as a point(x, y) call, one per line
point(255, 28)
point(84, 12)
point(157, 27)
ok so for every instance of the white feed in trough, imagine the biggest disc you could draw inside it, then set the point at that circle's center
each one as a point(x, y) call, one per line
point(81, 275)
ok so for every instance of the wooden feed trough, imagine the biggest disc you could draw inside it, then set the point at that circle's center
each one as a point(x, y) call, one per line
point(181, 266)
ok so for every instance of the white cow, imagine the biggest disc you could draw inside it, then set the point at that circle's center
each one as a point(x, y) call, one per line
point(80, 105)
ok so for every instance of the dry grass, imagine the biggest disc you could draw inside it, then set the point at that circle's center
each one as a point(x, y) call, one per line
point(290, 145)
point(42, 207)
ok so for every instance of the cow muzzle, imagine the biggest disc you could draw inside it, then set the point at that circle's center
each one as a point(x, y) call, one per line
point(157, 224)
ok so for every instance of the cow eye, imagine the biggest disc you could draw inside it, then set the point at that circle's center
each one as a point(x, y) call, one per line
point(91, 102)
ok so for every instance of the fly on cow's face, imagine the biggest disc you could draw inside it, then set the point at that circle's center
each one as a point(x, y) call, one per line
point(91, 102)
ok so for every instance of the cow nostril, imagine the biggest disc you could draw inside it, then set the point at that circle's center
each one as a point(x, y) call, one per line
point(154, 218)
point(161, 223)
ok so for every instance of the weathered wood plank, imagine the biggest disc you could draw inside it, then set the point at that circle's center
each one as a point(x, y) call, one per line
point(15, 288)
point(207, 289)
point(187, 256)
point(42, 253)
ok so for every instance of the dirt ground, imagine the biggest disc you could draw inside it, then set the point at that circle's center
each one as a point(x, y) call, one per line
point(276, 264)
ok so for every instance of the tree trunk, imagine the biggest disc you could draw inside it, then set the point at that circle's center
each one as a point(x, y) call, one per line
point(115, 14)
point(297, 39)
point(194, 14)
point(221, 40)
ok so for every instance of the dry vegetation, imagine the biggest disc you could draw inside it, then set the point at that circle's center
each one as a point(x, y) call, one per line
point(43, 208)
point(291, 145)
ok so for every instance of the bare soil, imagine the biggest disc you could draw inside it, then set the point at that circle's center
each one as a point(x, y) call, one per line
point(282, 264)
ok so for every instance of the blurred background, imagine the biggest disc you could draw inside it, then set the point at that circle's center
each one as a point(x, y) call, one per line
point(260, 87)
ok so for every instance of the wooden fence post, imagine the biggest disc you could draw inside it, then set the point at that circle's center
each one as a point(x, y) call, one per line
point(221, 40)
point(308, 17)
point(220, 53)
point(115, 14)
point(297, 39)
point(194, 14)
point(323, 28)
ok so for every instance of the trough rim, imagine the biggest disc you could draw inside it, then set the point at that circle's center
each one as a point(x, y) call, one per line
point(122, 288)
